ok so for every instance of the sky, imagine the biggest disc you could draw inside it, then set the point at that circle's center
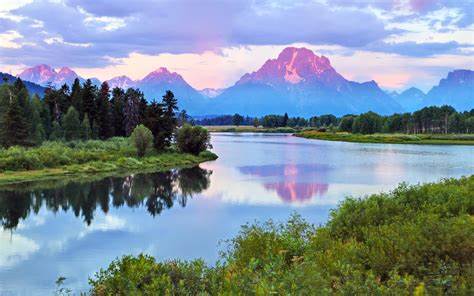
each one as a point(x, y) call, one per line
point(212, 43)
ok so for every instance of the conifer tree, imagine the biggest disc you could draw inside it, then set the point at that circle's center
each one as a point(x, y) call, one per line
point(154, 122)
point(103, 112)
point(170, 122)
point(57, 133)
point(86, 131)
point(89, 100)
point(118, 116)
point(15, 129)
point(131, 110)
point(71, 125)
point(76, 97)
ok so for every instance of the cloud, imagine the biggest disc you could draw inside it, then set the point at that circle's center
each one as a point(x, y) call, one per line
point(411, 48)
point(154, 27)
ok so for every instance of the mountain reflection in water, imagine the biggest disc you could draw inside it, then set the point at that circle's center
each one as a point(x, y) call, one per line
point(292, 182)
point(156, 191)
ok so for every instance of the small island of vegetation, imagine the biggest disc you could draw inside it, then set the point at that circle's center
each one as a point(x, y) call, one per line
point(84, 131)
point(415, 240)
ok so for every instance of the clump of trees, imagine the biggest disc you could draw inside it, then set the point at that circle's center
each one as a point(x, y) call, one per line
point(193, 139)
point(444, 119)
point(85, 112)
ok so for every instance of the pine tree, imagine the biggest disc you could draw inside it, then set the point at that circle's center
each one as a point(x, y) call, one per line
point(57, 133)
point(118, 116)
point(131, 110)
point(15, 129)
point(89, 100)
point(170, 122)
point(86, 131)
point(71, 125)
point(104, 112)
point(38, 130)
point(154, 121)
point(76, 97)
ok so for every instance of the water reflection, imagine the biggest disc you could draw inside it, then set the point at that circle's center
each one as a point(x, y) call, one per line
point(292, 182)
point(155, 191)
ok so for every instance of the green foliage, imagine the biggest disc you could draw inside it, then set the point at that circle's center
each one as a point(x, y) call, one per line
point(416, 240)
point(71, 125)
point(142, 139)
point(193, 139)
point(367, 123)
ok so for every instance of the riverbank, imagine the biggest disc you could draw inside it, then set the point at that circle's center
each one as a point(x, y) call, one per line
point(415, 240)
point(247, 129)
point(72, 160)
point(422, 139)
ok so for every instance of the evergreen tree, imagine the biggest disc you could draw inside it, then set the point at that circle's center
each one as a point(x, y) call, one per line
point(170, 106)
point(285, 120)
point(89, 100)
point(131, 110)
point(38, 129)
point(86, 131)
point(71, 125)
point(57, 133)
point(103, 112)
point(154, 122)
point(118, 116)
point(76, 97)
point(15, 129)
point(142, 108)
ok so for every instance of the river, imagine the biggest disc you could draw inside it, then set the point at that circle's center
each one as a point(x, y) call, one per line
point(73, 228)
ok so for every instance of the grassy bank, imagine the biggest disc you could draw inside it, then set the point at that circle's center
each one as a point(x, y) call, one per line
point(73, 159)
point(430, 139)
point(416, 240)
point(248, 129)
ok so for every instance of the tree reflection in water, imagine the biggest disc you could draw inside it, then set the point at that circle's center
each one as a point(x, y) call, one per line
point(156, 191)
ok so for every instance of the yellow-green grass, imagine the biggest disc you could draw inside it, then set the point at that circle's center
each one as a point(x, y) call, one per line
point(248, 129)
point(422, 139)
point(98, 169)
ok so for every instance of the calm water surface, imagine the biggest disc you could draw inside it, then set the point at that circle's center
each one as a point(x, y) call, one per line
point(72, 229)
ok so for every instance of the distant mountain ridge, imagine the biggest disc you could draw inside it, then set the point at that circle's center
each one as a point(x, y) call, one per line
point(302, 83)
point(298, 82)
point(45, 75)
point(33, 88)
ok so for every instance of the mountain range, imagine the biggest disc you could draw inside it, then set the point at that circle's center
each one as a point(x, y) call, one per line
point(298, 82)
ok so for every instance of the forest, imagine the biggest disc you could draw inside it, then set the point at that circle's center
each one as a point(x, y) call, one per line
point(83, 112)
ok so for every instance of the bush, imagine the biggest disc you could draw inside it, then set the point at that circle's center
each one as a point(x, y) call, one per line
point(414, 240)
point(142, 139)
point(193, 139)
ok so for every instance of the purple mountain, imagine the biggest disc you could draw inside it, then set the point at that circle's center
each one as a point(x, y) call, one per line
point(456, 90)
point(411, 99)
point(301, 83)
point(44, 75)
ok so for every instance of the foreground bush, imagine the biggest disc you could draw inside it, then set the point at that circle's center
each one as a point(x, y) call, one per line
point(417, 239)
point(193, 139)
point(142, 139)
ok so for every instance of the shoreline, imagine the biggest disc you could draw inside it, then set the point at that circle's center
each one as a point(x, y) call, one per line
point(419, 139)
point(248, 129)
point(102, 169)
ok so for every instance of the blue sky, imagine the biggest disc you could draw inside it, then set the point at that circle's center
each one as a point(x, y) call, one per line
point(398, 43)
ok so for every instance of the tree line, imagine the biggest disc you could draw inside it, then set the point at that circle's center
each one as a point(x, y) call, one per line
point(83, 112)
point(444, 119)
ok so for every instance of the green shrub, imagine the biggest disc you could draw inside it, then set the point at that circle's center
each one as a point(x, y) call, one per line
point(417, 239)
point(142, 139)
point(193, 139)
